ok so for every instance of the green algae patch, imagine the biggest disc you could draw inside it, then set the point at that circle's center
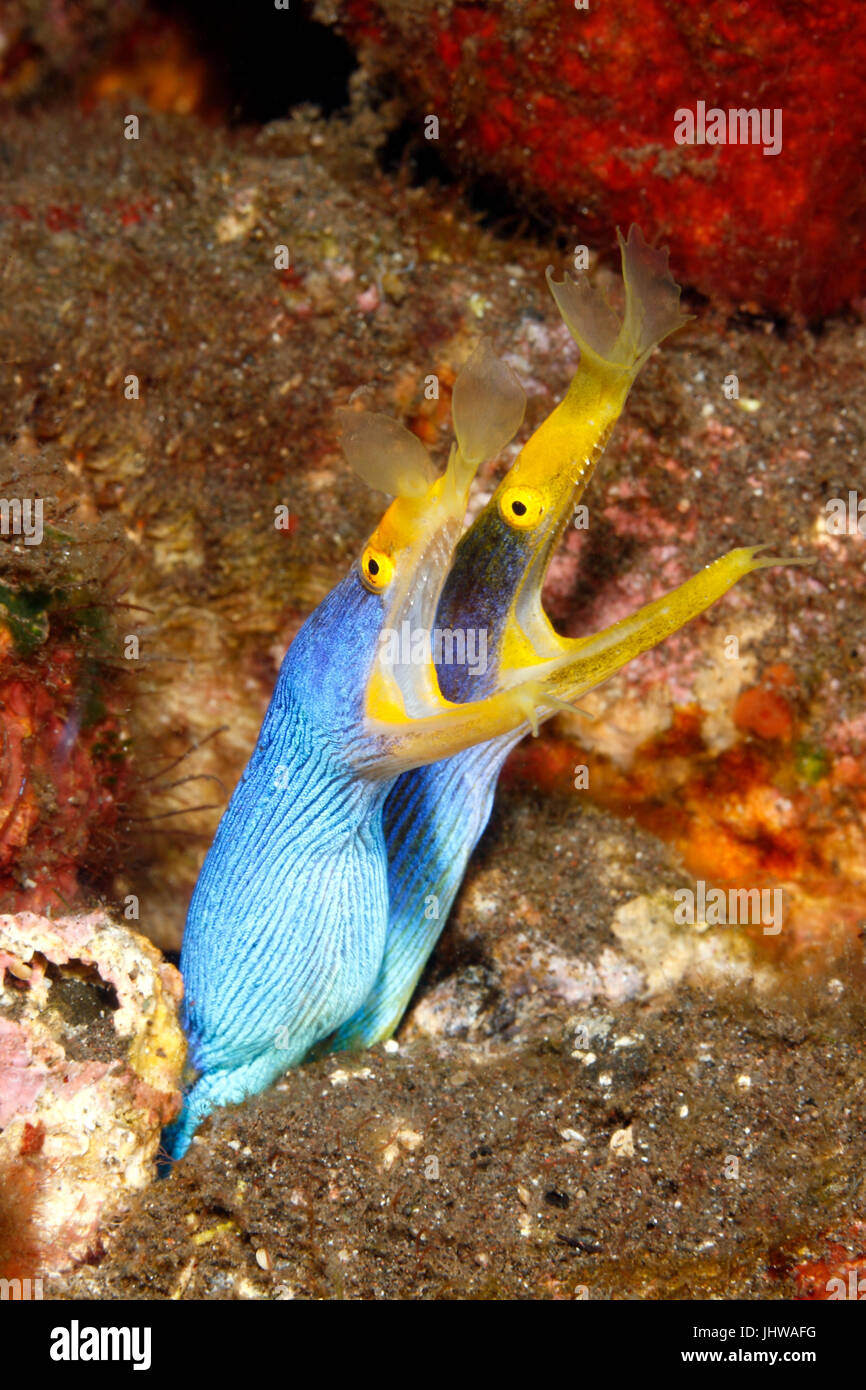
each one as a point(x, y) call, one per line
point(25, 614)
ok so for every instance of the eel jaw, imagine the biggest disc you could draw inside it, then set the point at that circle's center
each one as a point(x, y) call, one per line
point(400, 677)
point(527, 617)
point(403, 685)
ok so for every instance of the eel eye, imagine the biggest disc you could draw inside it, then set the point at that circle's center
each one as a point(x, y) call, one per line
point(377, 569)
point(522, 507)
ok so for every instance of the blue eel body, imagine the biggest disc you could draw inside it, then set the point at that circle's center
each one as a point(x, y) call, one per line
point(301, 827)
point(435, 815)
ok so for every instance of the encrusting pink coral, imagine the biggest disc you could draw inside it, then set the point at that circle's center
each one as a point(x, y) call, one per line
point(90, 1058)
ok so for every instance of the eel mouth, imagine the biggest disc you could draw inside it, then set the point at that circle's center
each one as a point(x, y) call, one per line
point(413, 612)
point(527, 605)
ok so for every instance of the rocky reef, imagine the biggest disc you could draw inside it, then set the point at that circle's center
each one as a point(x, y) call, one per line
point(90, 1060)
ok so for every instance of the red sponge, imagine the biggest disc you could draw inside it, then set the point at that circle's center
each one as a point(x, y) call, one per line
point(576, 111)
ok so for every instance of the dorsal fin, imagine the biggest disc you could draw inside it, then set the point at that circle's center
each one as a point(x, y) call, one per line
point(487, 405)
point(386, 455)
point(586, 314)
point(652, 297)
point(652, 307)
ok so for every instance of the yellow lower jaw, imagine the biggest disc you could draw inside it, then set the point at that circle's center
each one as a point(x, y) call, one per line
point(384, 702)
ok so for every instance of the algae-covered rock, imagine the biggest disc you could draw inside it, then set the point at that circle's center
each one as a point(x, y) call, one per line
point(91, 1053)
